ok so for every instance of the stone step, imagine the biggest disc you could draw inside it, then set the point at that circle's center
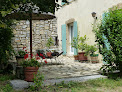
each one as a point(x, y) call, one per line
point(21, 84)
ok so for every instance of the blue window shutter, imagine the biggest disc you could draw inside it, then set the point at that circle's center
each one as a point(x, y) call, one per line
point(75, 29)
point(63, 29)
point(107, 44)
point(62, 3)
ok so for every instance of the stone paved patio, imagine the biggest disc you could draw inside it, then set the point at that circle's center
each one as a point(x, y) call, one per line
point(69, 69)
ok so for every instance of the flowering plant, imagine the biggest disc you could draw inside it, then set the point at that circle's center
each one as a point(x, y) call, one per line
point(20, 53)
point(32, 62)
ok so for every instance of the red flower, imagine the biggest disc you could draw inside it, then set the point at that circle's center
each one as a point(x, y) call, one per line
point(26, 56)
point(24, 48)
point(45, 61)
point(41, 54)
point(37, 58)
point(43, 57)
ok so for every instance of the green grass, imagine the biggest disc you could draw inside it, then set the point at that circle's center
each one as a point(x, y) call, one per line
point(98, 85)
point(6, 77)
point(4, 85)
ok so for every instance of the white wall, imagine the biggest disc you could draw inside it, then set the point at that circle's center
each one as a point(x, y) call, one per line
point(81, 11)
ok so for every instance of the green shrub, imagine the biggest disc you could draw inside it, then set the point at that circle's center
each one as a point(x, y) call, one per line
point(38, 81)
point(109, 31)
point(6, 48)
point(50, 42)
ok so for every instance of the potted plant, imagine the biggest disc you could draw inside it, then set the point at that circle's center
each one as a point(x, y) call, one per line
point(91, 49)
point(20, 56)
point(31, 67)
point(50, 42)
point(79, 43)
point(74, 44)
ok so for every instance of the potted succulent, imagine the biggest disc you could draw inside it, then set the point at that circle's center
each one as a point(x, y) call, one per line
point(91, 49)
point(20, 56)
point(79, 43)
point(50, 42)
point(31, 67)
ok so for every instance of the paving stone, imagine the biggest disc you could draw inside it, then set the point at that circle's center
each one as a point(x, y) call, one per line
point(70, 66)
point(19, 84)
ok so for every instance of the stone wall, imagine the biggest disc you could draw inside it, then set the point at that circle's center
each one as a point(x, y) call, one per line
point(42, 30)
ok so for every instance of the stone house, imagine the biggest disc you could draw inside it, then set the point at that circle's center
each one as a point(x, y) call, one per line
point(75, 19)
point(42, 30)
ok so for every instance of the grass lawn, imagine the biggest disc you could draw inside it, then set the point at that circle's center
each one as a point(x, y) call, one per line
point(98, 85)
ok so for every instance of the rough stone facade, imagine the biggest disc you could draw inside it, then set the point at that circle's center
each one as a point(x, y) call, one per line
point(42, 30)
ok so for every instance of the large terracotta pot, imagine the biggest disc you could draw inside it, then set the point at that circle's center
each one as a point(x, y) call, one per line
point(29, 73)
point(82, 56)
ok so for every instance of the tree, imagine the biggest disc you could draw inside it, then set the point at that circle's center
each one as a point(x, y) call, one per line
point(109, 37)
point(6, 34)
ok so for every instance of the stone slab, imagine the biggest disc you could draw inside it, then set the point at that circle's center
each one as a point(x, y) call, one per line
point(19, 84)
point(75, 79)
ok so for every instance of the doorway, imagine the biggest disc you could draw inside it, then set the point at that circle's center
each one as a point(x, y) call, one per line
point(71, 35)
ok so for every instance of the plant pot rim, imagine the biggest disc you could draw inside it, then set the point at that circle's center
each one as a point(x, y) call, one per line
point(95, 55)
point(81, 52)
point(75, 55)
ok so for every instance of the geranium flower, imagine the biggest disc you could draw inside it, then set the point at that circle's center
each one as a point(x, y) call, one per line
point(26, 56)
point(45, 61)
point(37, 58)
point(24, 48)
point(41, 54)
point(43, 57)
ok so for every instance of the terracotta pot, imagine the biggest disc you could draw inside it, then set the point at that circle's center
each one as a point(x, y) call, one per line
point(82, 57)
point(19, 60)
point(94, 59)
point(29, 73)
point(48, 54)
point(76, 57)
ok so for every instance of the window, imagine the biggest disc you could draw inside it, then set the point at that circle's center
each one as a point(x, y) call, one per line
point(56, 40)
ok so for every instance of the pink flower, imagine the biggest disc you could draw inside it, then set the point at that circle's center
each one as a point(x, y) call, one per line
point(26, 56)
